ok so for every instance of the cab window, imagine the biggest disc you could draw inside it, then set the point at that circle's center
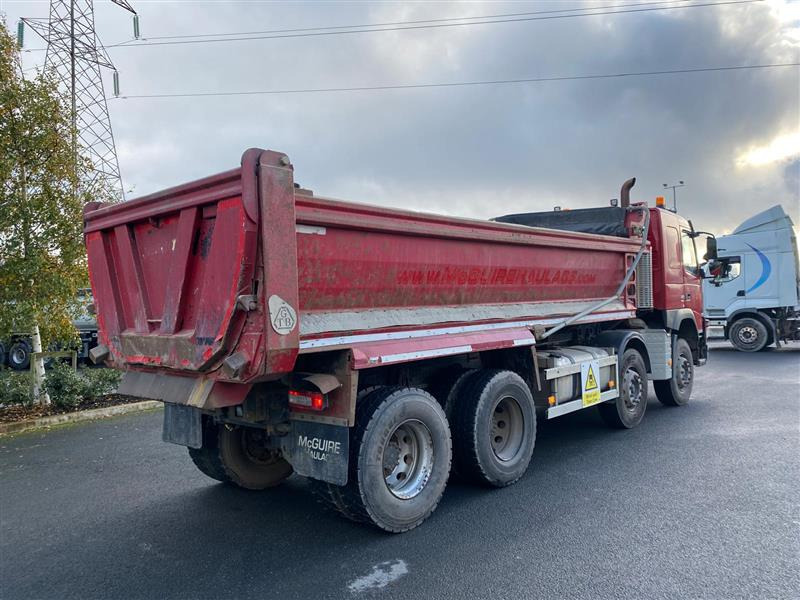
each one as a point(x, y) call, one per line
point(672, 246)
point(689, 253)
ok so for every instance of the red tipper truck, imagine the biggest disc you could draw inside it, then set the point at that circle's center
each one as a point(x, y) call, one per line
point(373, 349)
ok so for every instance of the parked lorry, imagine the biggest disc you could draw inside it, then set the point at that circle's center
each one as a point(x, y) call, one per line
point(757, 303)
point(16, 351)
point(373, 349)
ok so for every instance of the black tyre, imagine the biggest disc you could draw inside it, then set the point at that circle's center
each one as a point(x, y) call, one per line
point(748, 334)
point(239, 456)
point(333, 496)
point(628, 409)
point(455, 391)
point(494, 428)
point(678, 390)
point(19, 355)
point(399, 460)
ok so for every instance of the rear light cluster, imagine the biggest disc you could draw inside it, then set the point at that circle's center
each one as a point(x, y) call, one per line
point(306, 400)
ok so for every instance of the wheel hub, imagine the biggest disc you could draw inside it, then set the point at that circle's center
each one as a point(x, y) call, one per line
point(507, 429)
point(684, 371)
point(748, 334)
point(408, 459)
point(632, 385)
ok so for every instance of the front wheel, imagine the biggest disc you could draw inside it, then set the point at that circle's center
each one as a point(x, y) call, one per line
point(677, 390)
point(239, 456)
point(627, 411)
point(748, 334)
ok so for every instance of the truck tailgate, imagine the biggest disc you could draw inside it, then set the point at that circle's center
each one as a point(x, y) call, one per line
point(167, 270)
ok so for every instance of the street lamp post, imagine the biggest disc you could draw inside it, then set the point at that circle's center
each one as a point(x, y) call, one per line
point(674, 194)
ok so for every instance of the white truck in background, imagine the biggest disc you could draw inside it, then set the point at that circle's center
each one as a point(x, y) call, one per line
point(758, 302)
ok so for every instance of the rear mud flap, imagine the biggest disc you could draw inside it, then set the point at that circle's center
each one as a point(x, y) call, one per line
point(182, 425)
point(318, 450)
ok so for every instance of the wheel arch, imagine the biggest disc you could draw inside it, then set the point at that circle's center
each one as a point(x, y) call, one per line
point(624, 339)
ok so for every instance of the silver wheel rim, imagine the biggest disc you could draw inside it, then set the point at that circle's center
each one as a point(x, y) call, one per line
point(684, 372)
point(747, 334)
point(18, 356)
point(507, 430)
point(408, 459)
point(632, 385)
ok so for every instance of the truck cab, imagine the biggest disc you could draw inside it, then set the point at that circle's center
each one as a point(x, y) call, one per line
point(757, 301)
point(677, 277)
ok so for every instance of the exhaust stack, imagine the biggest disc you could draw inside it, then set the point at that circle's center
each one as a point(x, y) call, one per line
point(625, 192)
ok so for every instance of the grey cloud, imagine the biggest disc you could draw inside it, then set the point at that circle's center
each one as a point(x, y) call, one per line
point(476, 151)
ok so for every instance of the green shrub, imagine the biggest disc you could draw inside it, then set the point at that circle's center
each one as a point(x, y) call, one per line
point(99, 382)
point(15, 387)
point(65, 387)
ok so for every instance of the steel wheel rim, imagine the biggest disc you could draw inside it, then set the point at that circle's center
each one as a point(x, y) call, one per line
point(632, 384)
point(507, 429)
point(408, 459)
point(747, 334)
point(684, 371)
point(18, 355)
point(257, 453)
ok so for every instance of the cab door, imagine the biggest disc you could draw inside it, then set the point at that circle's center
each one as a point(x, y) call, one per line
point(692, 277)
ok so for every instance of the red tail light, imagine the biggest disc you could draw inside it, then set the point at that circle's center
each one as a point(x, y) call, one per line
point(308, 400)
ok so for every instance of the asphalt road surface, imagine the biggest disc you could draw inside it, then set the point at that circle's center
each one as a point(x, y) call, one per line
point(699, 501)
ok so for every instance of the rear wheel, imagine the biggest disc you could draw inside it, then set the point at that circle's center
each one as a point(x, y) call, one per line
point(628, 409)
point(399, 460)
point(494, 428)
point(677, 390)
point(748, 334)
point(19, 355)
point(239, 456)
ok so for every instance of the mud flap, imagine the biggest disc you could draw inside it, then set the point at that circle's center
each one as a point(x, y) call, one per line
point(182, 425)
point(318, 450)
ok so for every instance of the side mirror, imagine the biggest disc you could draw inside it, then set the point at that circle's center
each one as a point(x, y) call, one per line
point(718, 271)
point(711, 249)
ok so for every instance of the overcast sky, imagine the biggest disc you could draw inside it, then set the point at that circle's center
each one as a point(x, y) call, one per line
point(478, 151)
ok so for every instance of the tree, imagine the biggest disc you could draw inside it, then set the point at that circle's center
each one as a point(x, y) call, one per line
point(42, 256)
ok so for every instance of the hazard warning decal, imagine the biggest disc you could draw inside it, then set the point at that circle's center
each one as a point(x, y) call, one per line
point(590, 374)
point(281, 315)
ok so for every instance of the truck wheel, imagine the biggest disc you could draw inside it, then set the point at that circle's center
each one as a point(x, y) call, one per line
point(748, 334)
point(494, 428)
point(238, 456)
point(2, 354)
point(399, 459)
point(628, 409)
point(19, 355)
point(677, 390)
point(332, 495)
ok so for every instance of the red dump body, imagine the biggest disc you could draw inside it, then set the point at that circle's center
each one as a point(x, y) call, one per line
point(244, 269)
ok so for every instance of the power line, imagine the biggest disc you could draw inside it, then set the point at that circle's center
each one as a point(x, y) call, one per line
point(461, 83)
point(429, 26)
point(393, 23)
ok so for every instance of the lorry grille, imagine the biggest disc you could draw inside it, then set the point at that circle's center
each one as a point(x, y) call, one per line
point(644, 281)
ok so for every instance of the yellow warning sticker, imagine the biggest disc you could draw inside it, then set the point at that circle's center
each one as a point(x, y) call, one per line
point(591, 389)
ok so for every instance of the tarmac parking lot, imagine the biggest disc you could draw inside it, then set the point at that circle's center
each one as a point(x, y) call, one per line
point(699, 501)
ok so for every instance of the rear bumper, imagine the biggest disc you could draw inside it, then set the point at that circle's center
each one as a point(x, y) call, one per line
point(197, 391)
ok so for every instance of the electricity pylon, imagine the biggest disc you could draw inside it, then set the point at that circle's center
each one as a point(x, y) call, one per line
point(76, 56)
